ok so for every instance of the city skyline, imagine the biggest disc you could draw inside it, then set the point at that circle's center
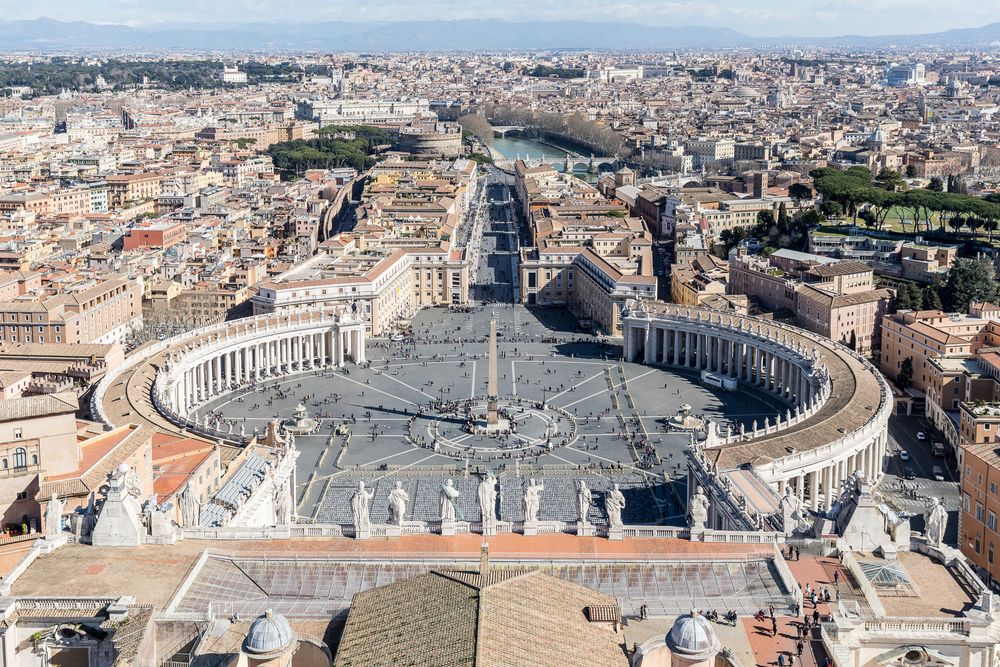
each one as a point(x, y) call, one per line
point(767, 18)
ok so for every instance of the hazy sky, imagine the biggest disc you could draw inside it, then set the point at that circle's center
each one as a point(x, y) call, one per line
point(762, 17)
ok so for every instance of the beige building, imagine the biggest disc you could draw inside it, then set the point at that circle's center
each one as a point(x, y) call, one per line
point(103, 313)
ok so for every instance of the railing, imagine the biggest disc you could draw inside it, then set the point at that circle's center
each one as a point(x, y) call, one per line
point(918, 626)
point(871, 595)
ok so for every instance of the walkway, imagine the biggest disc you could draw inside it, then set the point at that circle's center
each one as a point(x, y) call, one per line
point(817, 573)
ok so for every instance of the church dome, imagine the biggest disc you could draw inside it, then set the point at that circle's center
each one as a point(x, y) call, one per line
point(270, 634)
point(692, 635)
point(746, 91)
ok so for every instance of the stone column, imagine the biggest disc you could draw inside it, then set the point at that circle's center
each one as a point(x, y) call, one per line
point(649, 346)
point(677, 346)
point(814, 489)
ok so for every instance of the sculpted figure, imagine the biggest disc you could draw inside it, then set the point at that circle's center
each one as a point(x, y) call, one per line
point(360, 502)
point(698, 512)
point(532, 499)
point(614, 503)
point(487, 493)
point(398, 498)
point(584, 498)
point(447, 499)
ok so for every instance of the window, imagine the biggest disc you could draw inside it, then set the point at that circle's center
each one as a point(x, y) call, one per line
point(993, 488)
point(979, 512)
point(18, 433)
point(20, 458)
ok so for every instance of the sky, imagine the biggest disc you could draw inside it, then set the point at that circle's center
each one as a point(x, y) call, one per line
point(757, 17)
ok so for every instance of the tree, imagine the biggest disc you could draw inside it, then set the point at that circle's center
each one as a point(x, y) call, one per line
point(890, 179)
point(478, 126)
point(831, 209)
point(902, 300)
point(911, 171)
point(905, 376)
point(932, 300)
point(969, 280)
point(853, 342)
point(799, 192)
point(936, 184)
point(782, 217)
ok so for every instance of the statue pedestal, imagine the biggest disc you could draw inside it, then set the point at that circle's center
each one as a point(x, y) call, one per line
point(362, 534)
point(616, 533)
point(584, 529)
point(447, 527)
point(530, 529)
point(489, 528)
point(697, 534)
point(392, 530)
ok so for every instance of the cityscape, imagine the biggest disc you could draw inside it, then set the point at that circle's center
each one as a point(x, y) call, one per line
point(641, 335)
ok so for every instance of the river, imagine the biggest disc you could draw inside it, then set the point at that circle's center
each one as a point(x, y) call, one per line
point(515, 147)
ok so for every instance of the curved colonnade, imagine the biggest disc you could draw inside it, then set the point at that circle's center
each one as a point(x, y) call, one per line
point(164, 382)
point(836, 422)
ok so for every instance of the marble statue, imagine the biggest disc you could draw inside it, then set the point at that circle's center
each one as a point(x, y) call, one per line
point(189, 506)
point(53, 517)
point(935, 520)
point(584, 498)
point(791, 511)
point(359, 508)
point(398, 498)
point(531, 501)
point(614, 503)
point(698, 511)
point(447, 499)
point(487, 493)
point(282, 504)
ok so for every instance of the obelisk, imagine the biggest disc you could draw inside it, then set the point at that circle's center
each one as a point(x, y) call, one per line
point(492, 418)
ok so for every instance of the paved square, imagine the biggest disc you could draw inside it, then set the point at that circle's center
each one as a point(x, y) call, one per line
point(580, 413)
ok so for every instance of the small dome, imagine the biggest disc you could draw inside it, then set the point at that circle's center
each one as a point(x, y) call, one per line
point(270, 634)
point(692, 634)
point(746, 91)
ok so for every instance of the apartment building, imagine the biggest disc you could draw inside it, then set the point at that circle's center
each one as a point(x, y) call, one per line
point(101, 313)
point(155, 235)
point(127, 189)
point(979, 465)
point(836, 299)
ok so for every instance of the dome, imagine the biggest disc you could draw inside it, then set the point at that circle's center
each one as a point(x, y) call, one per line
point(692, 635)
point(746, 91)
point(270, 634)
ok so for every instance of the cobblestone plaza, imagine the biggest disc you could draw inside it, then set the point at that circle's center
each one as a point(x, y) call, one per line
point(580, 414)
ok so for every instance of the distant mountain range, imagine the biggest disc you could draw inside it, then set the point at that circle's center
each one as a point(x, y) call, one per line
point(489, 34)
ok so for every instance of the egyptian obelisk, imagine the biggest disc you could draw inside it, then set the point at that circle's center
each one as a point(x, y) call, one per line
point(492, 418)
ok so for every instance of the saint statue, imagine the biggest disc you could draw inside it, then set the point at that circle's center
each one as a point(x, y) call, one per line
point(614, 503)
point(698, 510)
point(791, 511)
point(935, 521)
point(447, 499)
point(53, 517)
point(359, 508)
point(397, 504)
point(487, 493)
point(584, 498)
point(532, 499)
point(282, 504)
point(189, 506)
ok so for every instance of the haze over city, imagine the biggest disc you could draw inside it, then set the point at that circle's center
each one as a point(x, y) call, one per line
point(565, 334)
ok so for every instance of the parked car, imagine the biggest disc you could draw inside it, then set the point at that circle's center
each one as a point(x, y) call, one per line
point(937, 473)
point(904, 455)
point(921, 435)
point(938, 449)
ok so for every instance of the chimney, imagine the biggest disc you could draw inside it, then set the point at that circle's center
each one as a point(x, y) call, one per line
point(484, 560)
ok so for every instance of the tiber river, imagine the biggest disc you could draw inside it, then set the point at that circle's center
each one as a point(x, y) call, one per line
point(514, 147)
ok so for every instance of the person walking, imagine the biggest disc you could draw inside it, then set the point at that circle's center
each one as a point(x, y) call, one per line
point(781, 660)
point(774, 627)
point(799, 647)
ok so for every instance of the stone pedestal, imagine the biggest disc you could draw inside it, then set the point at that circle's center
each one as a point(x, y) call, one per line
point(392, 530)
point(362, 534)
point(530, 529)
point(489, 528)
point(584, 529)
point(447, 527)
point(697, 534)
point(616, 534)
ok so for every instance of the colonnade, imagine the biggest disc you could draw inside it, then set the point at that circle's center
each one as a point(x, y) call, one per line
point(787, 363)
point(250, 356)
point(761, 363)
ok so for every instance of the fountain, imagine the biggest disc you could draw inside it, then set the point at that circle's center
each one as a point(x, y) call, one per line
point(684, 420)
point(300, 423)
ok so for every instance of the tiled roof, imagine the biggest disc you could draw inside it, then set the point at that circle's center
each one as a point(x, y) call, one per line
point(518, 619)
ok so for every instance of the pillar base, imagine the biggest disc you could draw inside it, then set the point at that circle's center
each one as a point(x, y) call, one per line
point(584, 529)
point(616, 533)
point(447, 527)
point(530, 529)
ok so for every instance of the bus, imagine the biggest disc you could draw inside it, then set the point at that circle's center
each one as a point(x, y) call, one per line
point(713, 380)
